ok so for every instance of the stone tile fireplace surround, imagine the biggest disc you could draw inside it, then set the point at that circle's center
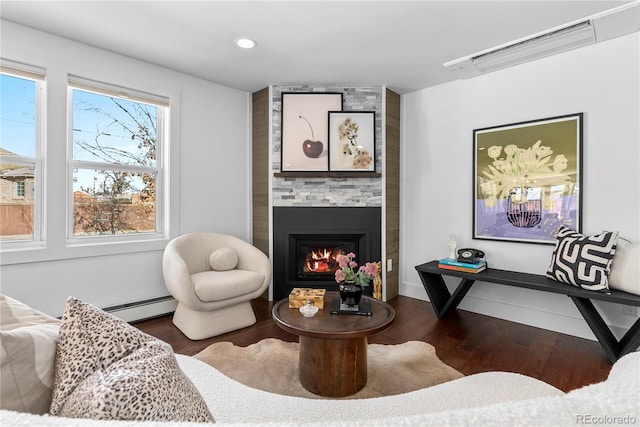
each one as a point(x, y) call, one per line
point(329, 194)
point(324, 208)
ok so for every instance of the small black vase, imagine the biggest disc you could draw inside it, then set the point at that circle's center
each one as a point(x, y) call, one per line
point(350, 294)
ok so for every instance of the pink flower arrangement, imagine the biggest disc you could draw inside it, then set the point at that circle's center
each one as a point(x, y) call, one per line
point(350, 272)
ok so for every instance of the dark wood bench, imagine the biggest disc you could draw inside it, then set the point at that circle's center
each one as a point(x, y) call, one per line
point(443, 301)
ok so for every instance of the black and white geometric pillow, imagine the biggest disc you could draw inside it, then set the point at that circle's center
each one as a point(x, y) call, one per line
point(583, 261)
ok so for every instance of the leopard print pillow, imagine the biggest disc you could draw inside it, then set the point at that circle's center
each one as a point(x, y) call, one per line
point(107, 369)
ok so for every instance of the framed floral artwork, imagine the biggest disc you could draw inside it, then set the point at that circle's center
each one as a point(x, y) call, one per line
point(352, 141)
point(305, 143)
point(527, 179)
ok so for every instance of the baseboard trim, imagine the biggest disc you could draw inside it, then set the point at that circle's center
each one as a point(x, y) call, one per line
point(143, 310)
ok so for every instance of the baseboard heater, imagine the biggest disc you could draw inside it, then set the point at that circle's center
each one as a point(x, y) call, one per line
point(144, 310)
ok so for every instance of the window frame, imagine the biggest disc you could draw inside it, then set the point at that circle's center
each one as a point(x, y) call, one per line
point(53, 187)
point(160, 170)
point(38, 76)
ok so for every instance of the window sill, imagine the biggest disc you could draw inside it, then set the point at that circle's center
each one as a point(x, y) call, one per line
point(76, 249)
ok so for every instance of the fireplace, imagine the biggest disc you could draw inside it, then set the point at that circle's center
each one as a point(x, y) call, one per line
point(306, 242)
point(315, 256)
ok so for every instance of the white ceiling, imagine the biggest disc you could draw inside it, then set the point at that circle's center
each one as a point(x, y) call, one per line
point(399, 44)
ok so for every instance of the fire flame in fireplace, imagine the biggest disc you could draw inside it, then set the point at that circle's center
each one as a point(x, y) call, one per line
point(322, 260)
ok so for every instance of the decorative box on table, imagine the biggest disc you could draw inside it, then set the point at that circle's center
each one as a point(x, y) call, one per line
point(299, 297)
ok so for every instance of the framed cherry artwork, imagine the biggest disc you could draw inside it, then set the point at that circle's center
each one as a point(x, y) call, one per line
point(305, 129)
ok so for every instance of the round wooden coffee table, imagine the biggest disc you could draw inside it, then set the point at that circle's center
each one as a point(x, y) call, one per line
point(333, 347)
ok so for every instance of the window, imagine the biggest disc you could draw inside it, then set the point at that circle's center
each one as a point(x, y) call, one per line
point(20, 189)
point(21, 130)
point(117, 143)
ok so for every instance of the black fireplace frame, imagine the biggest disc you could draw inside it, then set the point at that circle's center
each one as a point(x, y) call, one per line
point(364, 222)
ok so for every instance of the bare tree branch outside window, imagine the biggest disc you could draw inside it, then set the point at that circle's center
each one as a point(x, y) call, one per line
point(121, 136)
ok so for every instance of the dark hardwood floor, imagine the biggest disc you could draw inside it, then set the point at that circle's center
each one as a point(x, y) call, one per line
point(469, 342)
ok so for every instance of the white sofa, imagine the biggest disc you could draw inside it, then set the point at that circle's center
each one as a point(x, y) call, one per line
point(486, 399)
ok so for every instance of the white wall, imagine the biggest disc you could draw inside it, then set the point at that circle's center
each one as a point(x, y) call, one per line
point(601, 80)
point(211, 173)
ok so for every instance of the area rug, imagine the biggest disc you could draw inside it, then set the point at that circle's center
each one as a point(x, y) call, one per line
point(272, 365)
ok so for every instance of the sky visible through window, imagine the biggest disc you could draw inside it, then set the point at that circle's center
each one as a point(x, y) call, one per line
point(18, 115)
point(103, 131)
point(98, 120)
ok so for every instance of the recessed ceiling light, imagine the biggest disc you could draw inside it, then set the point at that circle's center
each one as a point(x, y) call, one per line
point(245, 43)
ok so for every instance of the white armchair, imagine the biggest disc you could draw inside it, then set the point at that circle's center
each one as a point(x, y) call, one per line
point(214, 301)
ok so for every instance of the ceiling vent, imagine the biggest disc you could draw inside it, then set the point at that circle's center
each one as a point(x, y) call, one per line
point(604, 26)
